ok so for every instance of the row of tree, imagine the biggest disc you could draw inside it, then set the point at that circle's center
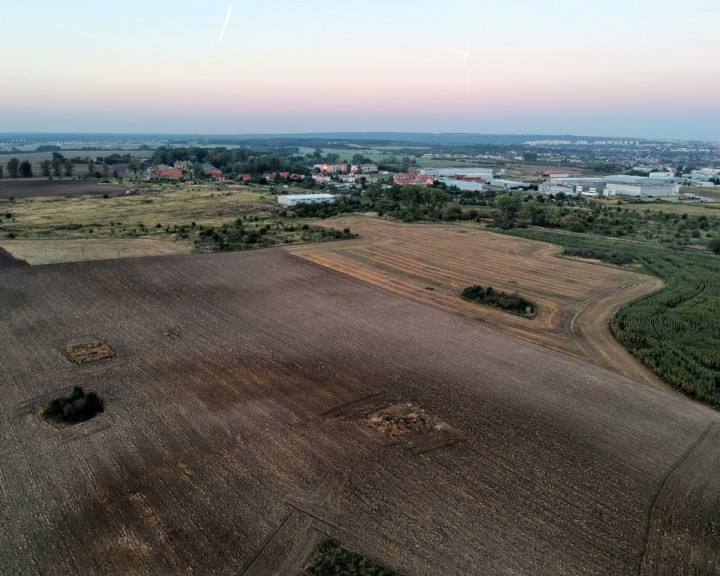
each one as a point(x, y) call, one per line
point(58, 166)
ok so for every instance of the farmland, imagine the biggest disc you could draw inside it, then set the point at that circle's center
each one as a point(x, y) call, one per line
point(434, 263)
point(98, 221)
point(235, 435)
point(674, 332)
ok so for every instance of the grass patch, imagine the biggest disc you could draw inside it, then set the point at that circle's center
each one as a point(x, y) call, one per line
point(88, 352)
point(77, 407)
point(512, 303)
point(332, 559)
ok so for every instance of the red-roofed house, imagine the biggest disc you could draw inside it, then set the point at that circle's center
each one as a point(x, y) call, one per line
point(412, 178)
point(173, 173)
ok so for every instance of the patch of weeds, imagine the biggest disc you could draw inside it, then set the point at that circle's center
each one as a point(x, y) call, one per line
point(88, 352)
point(402, 418)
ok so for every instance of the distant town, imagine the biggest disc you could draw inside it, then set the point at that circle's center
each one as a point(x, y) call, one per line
point(587, 166)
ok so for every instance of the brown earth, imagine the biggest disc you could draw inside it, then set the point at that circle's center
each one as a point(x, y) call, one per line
point(35, 187)
point(235, 436)
point(433, 263)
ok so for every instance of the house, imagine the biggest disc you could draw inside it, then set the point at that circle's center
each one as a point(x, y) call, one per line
point(403, 179)
point(321, 177)
point(173, 173)
point(331, 168)
point(163, 171)
point(363, 168)
point(213, 172)
point(274, 175)
point(243, 178)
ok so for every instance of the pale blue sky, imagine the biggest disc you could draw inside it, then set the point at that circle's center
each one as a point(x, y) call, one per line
point(630, 68)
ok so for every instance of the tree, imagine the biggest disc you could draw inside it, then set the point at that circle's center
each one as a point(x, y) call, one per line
point(46, 168)
point(57, 163)
point(91, 169)
point(198, 172)
point(26, 169)
point(68, 167)
point(1, 171)
point(13, 167)
point(134, 166)
point(509, 205)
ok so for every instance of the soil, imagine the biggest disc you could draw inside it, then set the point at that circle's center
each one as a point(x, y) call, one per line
point(433, 263)
point(235, 437)
point(7, 260)
point(34, 187)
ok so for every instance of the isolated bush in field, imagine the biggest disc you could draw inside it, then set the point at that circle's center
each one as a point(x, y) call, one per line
point(508, 302)
point(332, 559)
point(78, 407)
point(714, 245)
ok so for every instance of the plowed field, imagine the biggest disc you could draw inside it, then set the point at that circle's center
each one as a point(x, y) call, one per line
point(236, 432)
point(433, 263)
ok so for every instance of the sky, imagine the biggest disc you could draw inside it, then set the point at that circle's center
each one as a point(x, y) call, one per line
point(620, 68)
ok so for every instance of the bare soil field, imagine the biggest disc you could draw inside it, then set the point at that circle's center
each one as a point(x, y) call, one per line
point(40, 187)
point(433, 263)
point(236, 434)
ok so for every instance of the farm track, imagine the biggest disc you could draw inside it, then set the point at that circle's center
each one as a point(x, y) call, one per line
point(234, 440)
point(432, 263)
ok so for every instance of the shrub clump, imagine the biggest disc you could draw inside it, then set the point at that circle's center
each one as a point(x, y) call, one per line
point(609, 256)
point(508, 302)
point(332, 559)
point(78, 407)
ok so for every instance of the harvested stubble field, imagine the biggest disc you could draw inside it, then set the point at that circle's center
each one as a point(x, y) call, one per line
point(433, 263)
point(235, 436)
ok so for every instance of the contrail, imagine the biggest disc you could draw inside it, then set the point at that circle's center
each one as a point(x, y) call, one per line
point(465, 54)
point(227, 20)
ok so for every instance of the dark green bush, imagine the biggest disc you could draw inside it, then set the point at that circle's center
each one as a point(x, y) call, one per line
point(508, 302)
point(78, 407)
point(332, 559)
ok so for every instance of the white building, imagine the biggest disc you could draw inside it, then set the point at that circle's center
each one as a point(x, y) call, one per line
point(640, 189)
point(509, 184)
point(465, 185)
point(294, 199)
point(458, 172)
